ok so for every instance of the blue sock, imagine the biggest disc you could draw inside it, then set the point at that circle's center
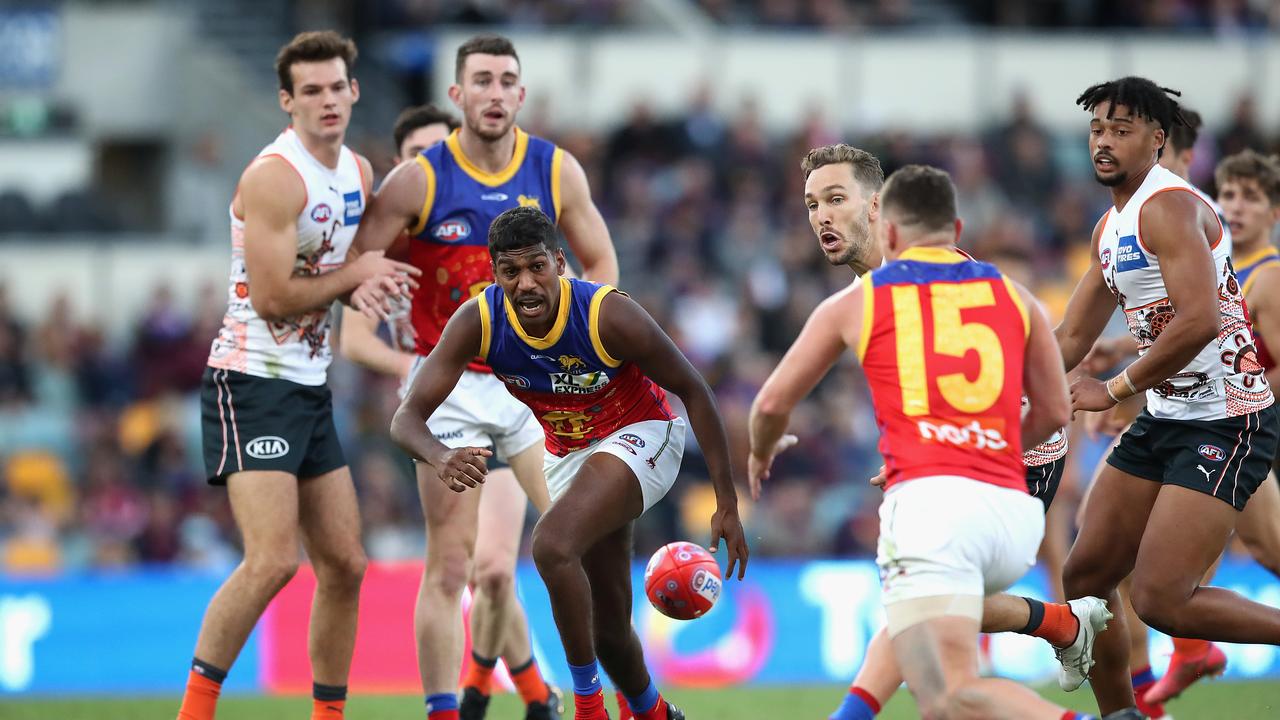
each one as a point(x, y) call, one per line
point(645, 701)
point(1083, 716)
point(441, 701)
point(1143, 677)
point(586, 678)
point(853, 708)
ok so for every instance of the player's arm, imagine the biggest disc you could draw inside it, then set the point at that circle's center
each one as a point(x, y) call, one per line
point(628, 332)
point(393, 209)
point(1088, 310)
point(359, 342)
point(459, 468)
point(272, 196)
point(805, 364)
point(1264, 310)
point(583, 226)
point(1043, 382)
point(1171, 228)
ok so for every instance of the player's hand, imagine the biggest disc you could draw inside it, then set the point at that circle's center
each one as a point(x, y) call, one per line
point(758, 467)
point(462, 468)
point(375, 263)
point(726, 524)
point(1090, 394)
point(880, 479)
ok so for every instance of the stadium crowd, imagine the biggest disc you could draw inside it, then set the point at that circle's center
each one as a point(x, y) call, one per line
point(99, 443)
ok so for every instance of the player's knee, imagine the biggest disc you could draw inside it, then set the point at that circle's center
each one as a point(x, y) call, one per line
point(551, 550)
point(448, 572)
point(346, 570)
point(1157, 605)
point(494, 579)
point(966, 703)
point(272, 572)
point(1083, 576)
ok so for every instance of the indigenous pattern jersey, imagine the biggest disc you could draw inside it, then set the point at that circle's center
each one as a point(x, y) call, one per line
point(577, 390)
point(943, 344)
point(294, 348)
point(1246, 274)
point(1225, 379)
point(450, 242)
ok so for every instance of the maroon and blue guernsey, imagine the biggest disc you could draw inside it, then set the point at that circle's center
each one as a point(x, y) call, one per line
point(579, 392)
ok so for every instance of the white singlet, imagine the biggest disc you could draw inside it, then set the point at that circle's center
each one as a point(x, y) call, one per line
point(295, 348)
point(1225, 379)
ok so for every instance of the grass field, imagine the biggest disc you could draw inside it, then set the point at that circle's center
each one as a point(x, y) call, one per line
point(1212, 701)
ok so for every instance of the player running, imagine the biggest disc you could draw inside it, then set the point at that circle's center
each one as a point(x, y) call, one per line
point(266, 411)
point(592, 365)
point(841, 194)
point(947, 345)
point(445, 200)
point(1168, 497)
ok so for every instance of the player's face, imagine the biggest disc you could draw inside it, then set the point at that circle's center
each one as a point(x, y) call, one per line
point(421, 139)
point(1249, 213)
point(530, 277)
point(840, 216)
point(489, 94)
point(322, 96)
point(1121, 145)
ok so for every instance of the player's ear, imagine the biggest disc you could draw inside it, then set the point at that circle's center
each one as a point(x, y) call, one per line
point(560, 261)
point(355, 90)
point(1159, 137)
point(959, 229)
point(873, 207)
point(286, 101)
point(455, 95)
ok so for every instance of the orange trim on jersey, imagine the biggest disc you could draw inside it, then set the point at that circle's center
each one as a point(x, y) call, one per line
point(365, 186)
point(481, 176)
point(593, 326)
point(557, 162)
point(486, 329)
point(1017, 300)
point(557, 329)
point(868, 316)
point(428, 199)
point(1212, 246)
point(944, 255)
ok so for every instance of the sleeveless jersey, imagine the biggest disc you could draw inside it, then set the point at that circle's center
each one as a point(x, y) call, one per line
point(450, 242)
point(1267, 255)
point(295, 348)
point(943, 344)
point(1225, 379)
point(579, 392)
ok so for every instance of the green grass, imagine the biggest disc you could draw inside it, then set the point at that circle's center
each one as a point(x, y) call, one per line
point(1210, 701)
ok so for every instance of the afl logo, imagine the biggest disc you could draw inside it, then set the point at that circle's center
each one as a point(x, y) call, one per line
point(322, 213)
point(1106, 258)
point(1211, 452)
point(515, 380)
point(452, 230)
point(267, 447)
point(633, 439)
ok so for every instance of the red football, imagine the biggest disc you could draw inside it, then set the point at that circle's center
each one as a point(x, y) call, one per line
point(682, 580)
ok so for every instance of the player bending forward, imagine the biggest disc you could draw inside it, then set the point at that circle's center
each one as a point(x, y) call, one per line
point(591, 364)
point(948, 346)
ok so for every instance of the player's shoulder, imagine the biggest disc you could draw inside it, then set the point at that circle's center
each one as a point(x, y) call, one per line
point(273, 178)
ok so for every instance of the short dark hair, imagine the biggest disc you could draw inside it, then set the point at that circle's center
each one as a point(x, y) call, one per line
point(1145, 98)
point(421, 116)
point(315, 46)
point(519, 228)
point(1251, 165)
point(1183, 137)
point(866, 167)
point(483, 45)
point(922, 195)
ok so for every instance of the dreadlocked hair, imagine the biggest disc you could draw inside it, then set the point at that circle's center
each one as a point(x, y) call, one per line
point(1145, 98)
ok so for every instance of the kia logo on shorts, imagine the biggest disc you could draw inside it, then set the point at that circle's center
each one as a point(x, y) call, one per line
point(1211, 452)
point(267, 447)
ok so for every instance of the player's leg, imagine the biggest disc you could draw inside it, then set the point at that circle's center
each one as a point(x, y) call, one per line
point(940, 662)
point(603, 497)
point(1140, 674)
point(1259, 525)
point(265, 507)
point(437, 618)
point(877, 680)
point(330, 523)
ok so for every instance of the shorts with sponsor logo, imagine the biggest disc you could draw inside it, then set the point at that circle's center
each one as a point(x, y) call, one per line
point(651, 448)
point(1043, 480)
point(481, 413)
point(1227, 458)
point(255, 423)
point(952, 535)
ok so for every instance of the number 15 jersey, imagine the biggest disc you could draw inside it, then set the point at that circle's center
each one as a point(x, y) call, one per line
point(943, 344)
